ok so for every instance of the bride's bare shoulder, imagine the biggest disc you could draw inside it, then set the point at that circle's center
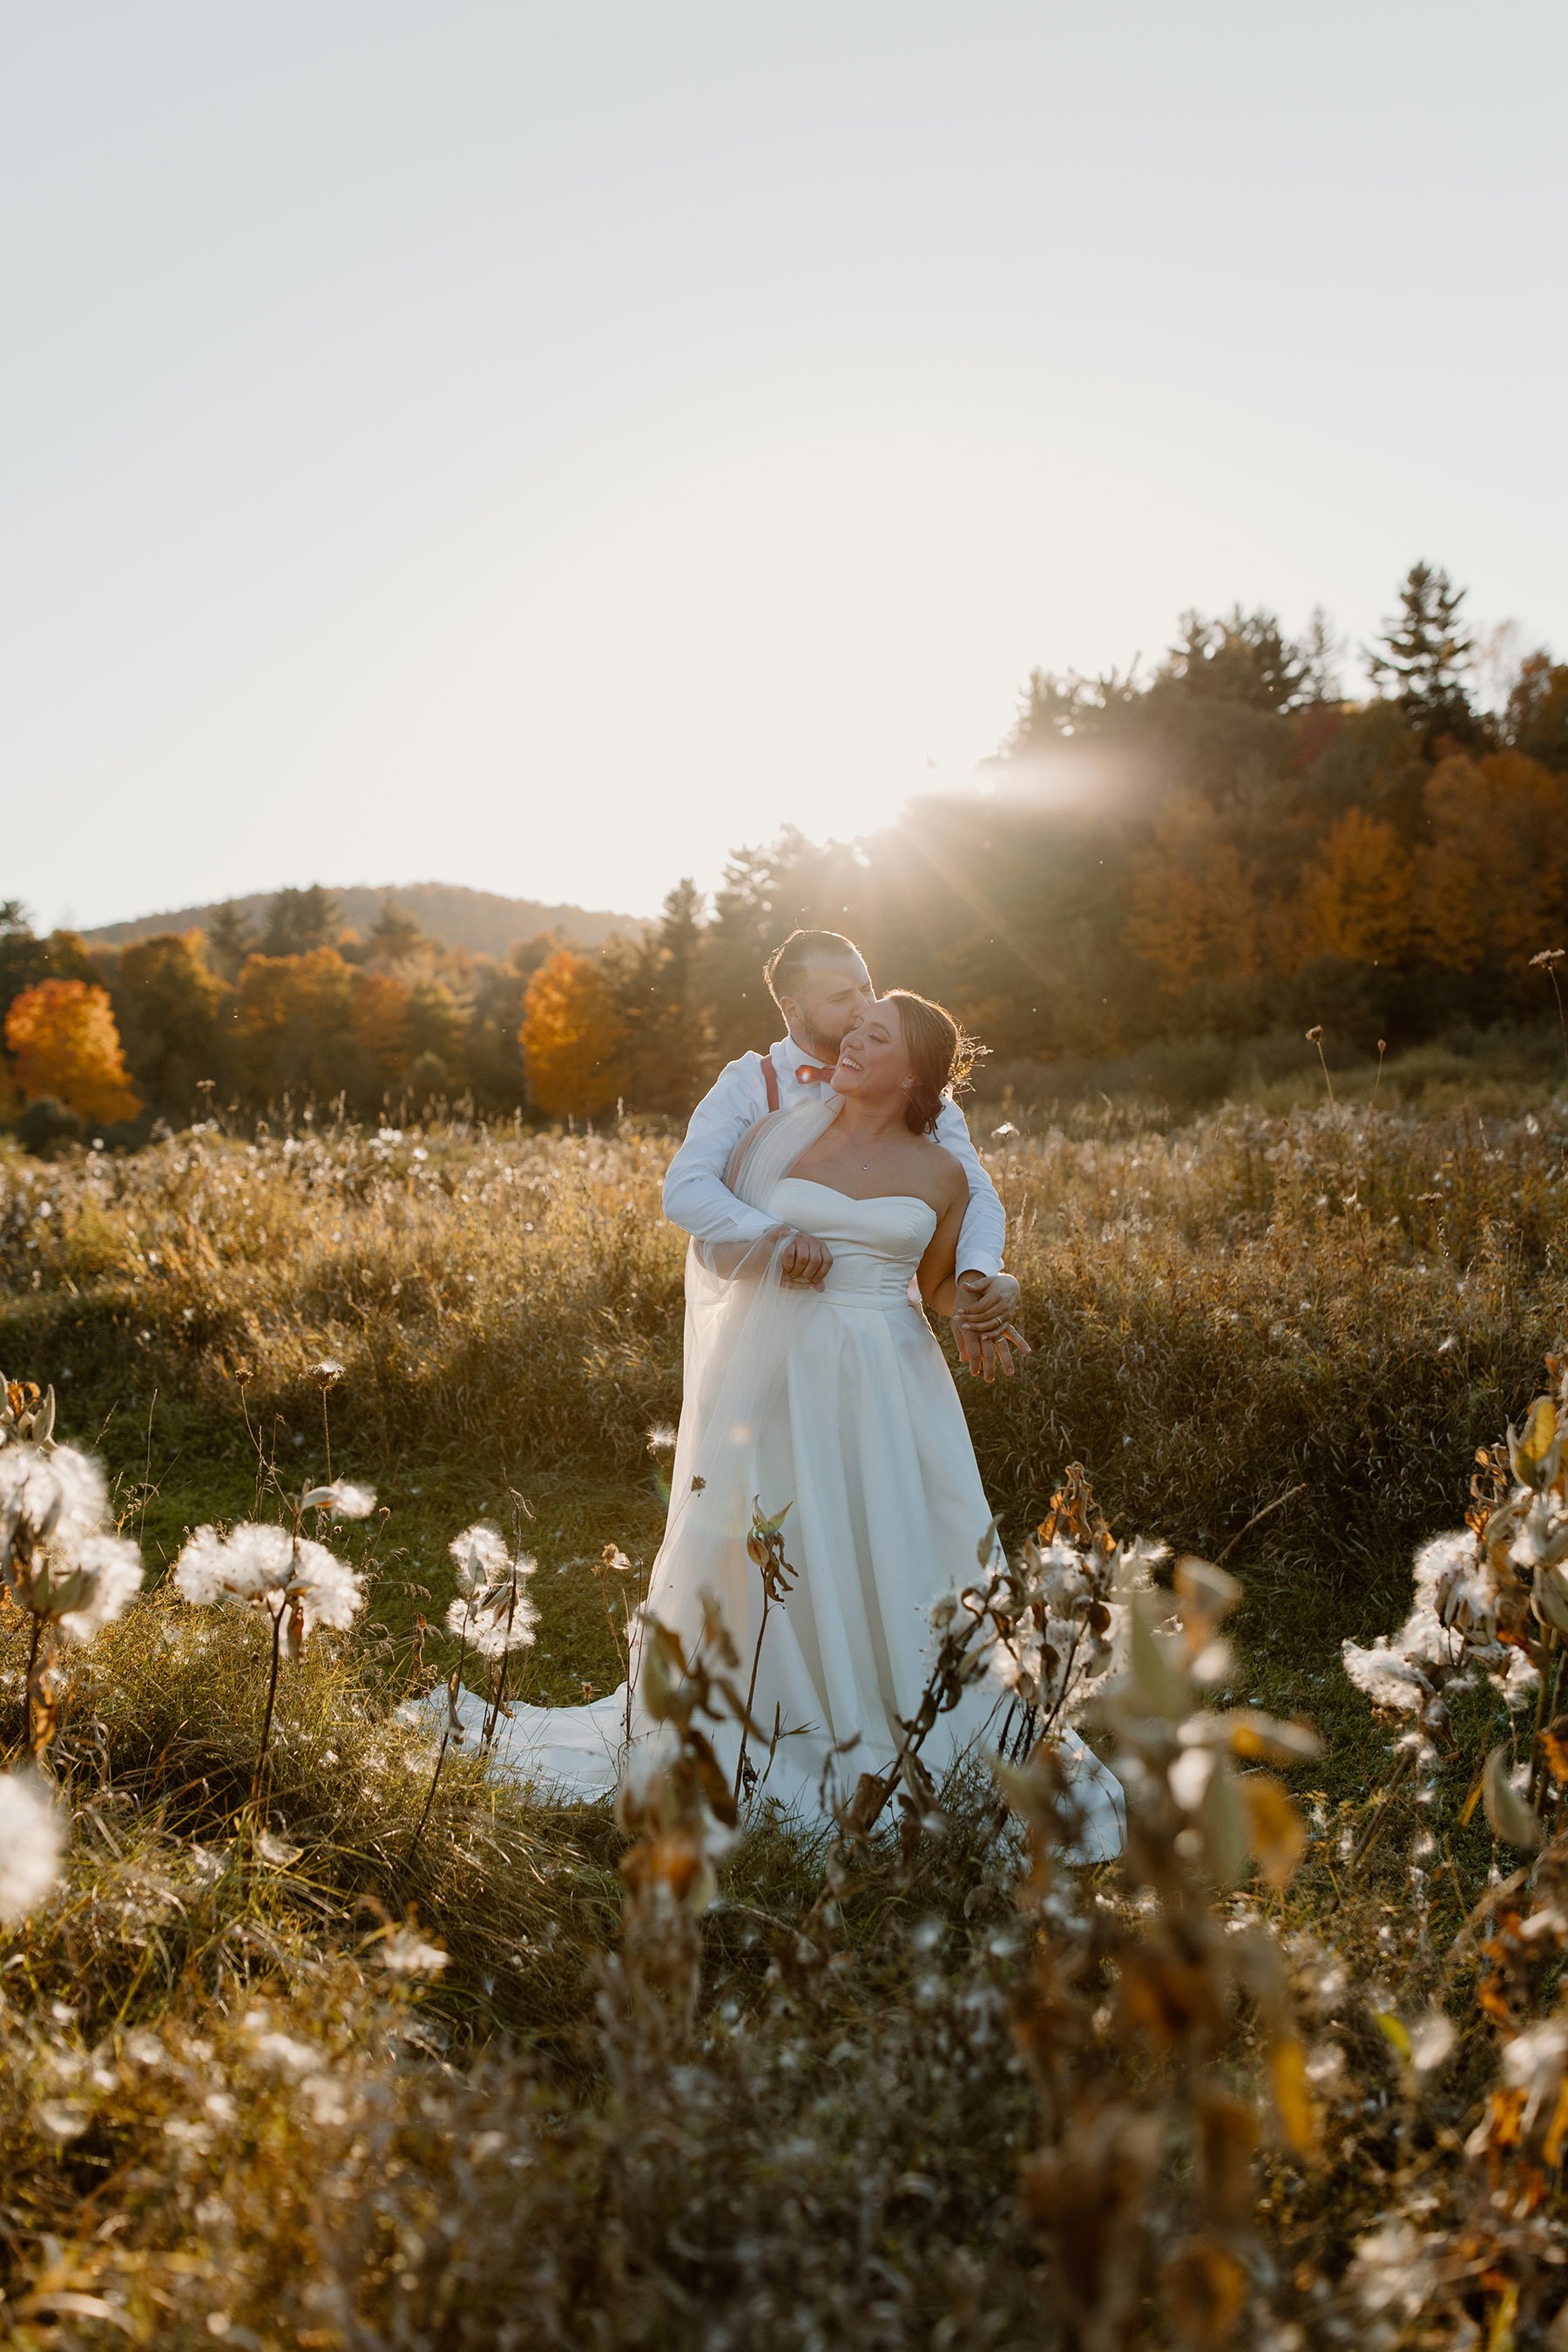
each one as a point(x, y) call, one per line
point(944, 1166)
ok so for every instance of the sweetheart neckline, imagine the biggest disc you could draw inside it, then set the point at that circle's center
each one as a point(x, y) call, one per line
point(862, 1198)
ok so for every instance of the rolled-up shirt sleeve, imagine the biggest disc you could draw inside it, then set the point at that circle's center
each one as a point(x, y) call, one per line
point(696, 1197)
point(984, 1236)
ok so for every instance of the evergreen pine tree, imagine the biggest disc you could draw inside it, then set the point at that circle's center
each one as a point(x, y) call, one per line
point(1426, 655)
point(230, 939)
point(298, 920)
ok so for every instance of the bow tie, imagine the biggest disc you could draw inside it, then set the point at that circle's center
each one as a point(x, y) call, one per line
point(814, 1074)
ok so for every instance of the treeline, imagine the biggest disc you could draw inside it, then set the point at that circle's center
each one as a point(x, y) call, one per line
point(305, 1011)
point(1226, 846)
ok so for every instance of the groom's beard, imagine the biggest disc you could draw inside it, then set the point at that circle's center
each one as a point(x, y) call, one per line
point(820, 1048)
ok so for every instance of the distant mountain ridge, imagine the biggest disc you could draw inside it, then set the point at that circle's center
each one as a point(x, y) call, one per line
point(447, 912)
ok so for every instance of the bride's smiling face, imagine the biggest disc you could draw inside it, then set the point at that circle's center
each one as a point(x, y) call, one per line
point(873, 1061)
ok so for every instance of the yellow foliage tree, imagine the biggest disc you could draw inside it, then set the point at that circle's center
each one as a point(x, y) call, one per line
point(1194, 912)
point(1493, 881)
point(570, 1037)
point(293, 1024)
point(64, 1044)
point(1355, 896)
point(379, 1020)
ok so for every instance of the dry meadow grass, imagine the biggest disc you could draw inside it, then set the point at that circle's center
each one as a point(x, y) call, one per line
point(921, 2098)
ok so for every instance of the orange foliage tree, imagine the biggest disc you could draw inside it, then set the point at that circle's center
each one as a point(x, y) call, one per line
point(1354, 900)
point(293, 1020)
point(1194, 913)
point(570, 1037)
point(64, 1044)
point(1493, 879)
point(379, 1020)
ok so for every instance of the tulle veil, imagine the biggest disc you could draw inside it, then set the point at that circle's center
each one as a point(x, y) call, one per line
point(738, 1328)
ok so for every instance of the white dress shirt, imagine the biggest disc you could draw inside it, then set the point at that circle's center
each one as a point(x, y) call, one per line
point(698, 1200)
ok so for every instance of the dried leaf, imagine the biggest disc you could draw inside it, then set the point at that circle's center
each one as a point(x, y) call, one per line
point(1206, 2291)
point(1528, 1452)
point(1554, 1747)
point(1269, 1737)
point(1292, 2102)
point(1156, 1684)
point(1275, 1830)
point(1227, 2139)
point(1550, 1593)
point(1467, 1811)
point(1225, 1828)
point(1394, 2031)
point(1513, 1818)
point(1206, 1590)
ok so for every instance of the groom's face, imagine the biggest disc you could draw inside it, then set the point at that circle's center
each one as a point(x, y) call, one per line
point(833, 993)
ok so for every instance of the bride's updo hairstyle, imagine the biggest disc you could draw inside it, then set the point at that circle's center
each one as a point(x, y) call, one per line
point(941, 1055)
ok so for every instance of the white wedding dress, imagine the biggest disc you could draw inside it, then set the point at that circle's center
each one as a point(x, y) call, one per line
point(858, 1429)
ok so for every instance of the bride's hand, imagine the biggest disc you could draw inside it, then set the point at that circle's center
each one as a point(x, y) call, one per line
point(983, 1325)
point(804, 1262)
point(987, 1302)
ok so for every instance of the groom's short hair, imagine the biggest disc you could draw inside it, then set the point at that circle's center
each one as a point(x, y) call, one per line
point(785, 968)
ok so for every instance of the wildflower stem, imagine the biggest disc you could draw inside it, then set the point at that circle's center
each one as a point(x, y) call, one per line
point(446, 1743)
point(750, 1693)
point(1545, 1707)
point(147, 1471)
point(1562, 1017)
point(327, 1428)
point(1276, 1505)
point(492, 1712)
point(430, 1794)
point(622, 1650)
point(35, 1746)
point(271, 1702)
point(1315, 1038)
point(1375, 1826)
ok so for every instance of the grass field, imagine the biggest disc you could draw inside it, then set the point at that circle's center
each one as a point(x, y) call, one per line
point(1277, 1337)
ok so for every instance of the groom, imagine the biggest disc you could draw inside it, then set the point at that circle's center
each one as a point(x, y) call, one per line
point(821, 986)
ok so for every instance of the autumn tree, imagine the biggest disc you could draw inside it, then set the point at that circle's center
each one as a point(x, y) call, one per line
point(293, 1027)
point(1195, 914)
point(170, 1007)
point(379, 1025)
point(656, 981)
point(25, 958)
point(64, 1046)
point(492, 1064)
point(570, 1037)
point(1494, 878)
point(1536, 719)
point(1354, 897)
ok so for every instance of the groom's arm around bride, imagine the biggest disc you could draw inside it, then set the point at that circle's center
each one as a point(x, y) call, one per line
point(821, 987)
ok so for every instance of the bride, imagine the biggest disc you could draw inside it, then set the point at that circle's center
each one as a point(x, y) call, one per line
point(829, 1407)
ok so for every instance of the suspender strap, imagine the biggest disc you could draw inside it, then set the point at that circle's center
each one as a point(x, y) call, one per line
point(770, 1080)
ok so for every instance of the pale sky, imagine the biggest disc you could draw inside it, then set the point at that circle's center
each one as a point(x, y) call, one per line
point(543, 447)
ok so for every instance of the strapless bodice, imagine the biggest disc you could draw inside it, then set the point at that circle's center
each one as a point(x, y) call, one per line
point(877, 1245)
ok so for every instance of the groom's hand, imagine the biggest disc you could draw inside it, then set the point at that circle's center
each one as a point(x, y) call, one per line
point(983, 1325)
point(805, 1261)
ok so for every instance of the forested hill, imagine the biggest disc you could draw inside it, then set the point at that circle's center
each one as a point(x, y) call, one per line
point(480, 921)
